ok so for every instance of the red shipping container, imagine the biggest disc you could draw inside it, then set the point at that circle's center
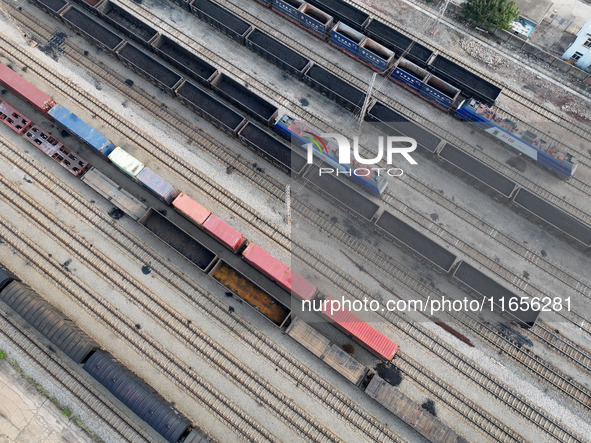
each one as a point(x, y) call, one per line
point(191, 209)
point(223, 232)
point(369, 337)
point(280, 272)
point(25, 90)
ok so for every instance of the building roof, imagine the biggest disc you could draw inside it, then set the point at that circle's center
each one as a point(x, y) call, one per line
point(534, 10)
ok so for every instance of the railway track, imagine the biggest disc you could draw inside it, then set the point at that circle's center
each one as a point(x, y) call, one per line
point(563, 346)
point(581, 131)
point(277, 357)
point(363, 85)
point(501, 271)
point(513, 245)
point(471, 252)
point(190, 173)
point(579, 357)
point(432, 384)
point(203, 393)
point(280, 359)
point(511, 280)
point(27, 341)
point(408, 278)
point(225, 363)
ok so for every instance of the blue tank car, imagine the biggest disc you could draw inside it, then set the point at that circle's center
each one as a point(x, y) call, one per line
point(542, 149)
point(302, 134)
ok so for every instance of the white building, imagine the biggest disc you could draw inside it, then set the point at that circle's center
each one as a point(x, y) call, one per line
point(580, 50)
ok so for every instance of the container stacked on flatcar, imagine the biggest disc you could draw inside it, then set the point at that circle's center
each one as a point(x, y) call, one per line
point(361, 331)
point(279, 272)
point(411, 76)
point(355, 203)
point(81, 130)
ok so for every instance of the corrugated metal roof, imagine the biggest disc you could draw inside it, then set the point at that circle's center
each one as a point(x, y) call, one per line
point(82, 130)
point(137, 395)
point(6, 277)
point(372, 339)
point(48, 320)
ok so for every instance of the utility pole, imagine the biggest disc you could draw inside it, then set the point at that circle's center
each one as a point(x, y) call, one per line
point(439, 15)
point(367, 99)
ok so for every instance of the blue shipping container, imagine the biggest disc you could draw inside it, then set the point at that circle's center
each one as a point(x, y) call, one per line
point(288, 8)
point(81, 130)
point(347, 38)
point(164, 190)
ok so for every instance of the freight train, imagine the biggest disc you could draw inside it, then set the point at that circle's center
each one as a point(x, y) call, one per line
point(132, 391)
point(195, 69)
point(386, 223)
point(302, 134)
point(267, 304)
point(413, 66)
point(161, 415)
point(546, 152)
point(174, 236)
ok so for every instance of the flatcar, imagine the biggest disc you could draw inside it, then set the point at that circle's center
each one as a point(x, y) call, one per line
point(13, 119)
point(546, 152)
point(404, 408)
point(114, 193)
point(327, 150)
point(43, 141)
point(329, 352)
